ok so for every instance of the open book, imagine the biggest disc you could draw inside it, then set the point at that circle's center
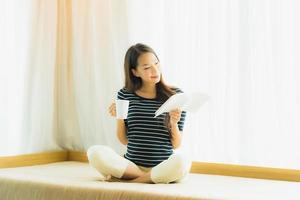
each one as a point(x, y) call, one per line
point(186, 102)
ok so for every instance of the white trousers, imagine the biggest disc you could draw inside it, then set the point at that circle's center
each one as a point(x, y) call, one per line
point(107, 162)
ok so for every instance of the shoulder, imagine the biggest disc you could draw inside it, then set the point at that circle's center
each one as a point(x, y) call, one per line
point(124, 93)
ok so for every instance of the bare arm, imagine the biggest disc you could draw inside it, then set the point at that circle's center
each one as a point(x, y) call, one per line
point(121, 131)
point(121, 128)
point(174, 130)
point(175, 136)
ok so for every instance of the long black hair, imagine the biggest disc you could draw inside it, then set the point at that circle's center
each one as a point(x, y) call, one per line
point(133, 83)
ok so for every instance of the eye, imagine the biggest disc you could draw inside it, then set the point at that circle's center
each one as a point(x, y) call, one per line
point(146, 68)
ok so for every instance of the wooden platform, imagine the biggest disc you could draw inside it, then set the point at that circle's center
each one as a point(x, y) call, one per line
point(197, 167)
point(73, 180)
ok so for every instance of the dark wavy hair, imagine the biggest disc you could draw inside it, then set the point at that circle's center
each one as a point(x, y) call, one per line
point(133, 83)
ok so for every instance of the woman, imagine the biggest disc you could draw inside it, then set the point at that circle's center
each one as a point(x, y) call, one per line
point(150, 141)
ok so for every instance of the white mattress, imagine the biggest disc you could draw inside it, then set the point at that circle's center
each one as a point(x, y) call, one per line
point(77, 180)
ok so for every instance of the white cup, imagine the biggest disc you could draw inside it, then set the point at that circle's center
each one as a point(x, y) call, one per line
point(122, 108)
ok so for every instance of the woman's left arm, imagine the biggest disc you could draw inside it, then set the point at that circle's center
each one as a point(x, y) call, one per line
point(174, 130)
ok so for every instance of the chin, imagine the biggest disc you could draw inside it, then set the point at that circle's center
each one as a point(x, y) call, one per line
point(154, 81)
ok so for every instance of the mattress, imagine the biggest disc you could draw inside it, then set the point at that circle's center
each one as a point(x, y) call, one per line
point(71, 180)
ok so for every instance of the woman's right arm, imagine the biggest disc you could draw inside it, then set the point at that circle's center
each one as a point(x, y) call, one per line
point(121, 131)
point(121, 128)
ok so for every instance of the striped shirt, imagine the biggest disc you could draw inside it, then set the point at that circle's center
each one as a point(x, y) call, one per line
point(149, 141)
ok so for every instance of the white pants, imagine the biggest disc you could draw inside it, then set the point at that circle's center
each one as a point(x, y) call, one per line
point(107, 162)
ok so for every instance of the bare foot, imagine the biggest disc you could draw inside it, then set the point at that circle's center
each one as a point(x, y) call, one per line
point(145, 178)
point(132, 172)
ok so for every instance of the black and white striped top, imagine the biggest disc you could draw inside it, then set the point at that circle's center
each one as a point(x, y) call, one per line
point(148, 138)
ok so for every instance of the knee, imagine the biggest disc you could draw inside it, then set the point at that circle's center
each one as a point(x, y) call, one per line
point(96, 154)
point(183, 167)
point(106, 161)
point(181, 164)
point(173, 169)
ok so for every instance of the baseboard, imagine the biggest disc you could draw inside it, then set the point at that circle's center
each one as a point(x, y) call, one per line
point(33, 159)
point(246, 171)
point(227, 169)
point(77, 156)
point(197, 167)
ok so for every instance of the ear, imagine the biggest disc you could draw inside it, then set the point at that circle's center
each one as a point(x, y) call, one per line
point(135, 72)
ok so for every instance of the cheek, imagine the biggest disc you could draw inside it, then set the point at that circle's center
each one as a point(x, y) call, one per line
point(148, 73)
point(145, 75)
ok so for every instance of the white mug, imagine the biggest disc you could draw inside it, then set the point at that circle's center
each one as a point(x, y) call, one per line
point(122, 108)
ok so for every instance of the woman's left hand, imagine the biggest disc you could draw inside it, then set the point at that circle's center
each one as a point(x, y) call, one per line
point(175, 116)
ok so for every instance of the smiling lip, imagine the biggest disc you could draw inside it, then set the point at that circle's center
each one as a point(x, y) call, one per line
point(154, 76)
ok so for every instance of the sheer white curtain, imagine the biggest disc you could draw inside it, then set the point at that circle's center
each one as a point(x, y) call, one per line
point(246, 58)
point(10, 77)
point(243, 54)
point(39, 117)
point(99, 41)
point(28, 51)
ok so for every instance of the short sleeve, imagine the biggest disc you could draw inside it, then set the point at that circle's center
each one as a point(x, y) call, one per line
point(121, 94)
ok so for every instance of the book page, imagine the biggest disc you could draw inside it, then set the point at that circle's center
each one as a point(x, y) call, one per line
point(186, 102)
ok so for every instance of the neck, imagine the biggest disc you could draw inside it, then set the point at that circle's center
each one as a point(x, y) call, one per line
point(148, 88)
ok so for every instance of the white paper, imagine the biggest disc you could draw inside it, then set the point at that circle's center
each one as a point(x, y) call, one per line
point(186, 102)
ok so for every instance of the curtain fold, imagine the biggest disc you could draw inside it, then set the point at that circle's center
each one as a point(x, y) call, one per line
point(11, 74)
point(39, 79)
point(67, 133)
point(99, 40)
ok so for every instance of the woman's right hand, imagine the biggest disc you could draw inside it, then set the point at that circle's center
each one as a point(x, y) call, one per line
point(112, 110)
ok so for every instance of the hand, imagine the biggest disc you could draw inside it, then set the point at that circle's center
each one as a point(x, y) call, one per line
point(174, 116)
point(112, 109)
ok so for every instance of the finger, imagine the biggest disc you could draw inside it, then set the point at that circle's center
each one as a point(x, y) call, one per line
point(177, 111)
point(176, 114)
point(112, 106)
point(175, 117)
point(111, 110)
point(173, 112)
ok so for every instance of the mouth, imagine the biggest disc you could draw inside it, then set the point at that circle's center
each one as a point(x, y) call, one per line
point(154, 77)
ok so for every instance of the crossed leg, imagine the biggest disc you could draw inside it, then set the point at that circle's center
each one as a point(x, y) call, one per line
point(108, 163)
point(132, 172)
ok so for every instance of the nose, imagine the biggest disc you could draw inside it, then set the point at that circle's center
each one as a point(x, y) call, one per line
point(155, 69)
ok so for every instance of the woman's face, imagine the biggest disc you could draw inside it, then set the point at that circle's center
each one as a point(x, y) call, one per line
point(148, 68)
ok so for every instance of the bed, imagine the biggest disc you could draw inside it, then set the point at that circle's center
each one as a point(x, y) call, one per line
point(73, 180)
